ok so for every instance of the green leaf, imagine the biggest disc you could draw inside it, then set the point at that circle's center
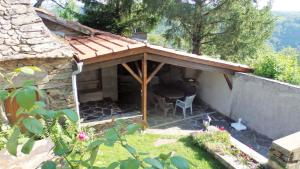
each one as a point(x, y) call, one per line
point(179, 162)
point(94, 144)
point(21, 110)
point(36, 69)
point(28, 69)
point(12, 142)
point(113, 165)
point(111, 136)
point(60, 148)
point(130, 164)
point(3, 95)
point(51, 114)
point(130, 149)
point(38, 111)
point(94, 155)
point(33, 126)
point(154, 163)
point(40, 104)
point(49, 165)
point(71, 115)
point(27, 147)
point(26, 97)
point(132, 128)
point(28, 83)
point(165, 157)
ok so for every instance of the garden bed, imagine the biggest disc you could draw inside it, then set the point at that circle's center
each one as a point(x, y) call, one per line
point(219, 143)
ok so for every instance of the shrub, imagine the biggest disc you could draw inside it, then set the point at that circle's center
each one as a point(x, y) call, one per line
point(218, 141)
point(279, 66)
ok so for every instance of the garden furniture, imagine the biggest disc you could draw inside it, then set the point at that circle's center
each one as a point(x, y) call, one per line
point(187, 103)
point(162, 105)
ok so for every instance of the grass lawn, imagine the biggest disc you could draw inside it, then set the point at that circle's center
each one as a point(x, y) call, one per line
point(145, 143)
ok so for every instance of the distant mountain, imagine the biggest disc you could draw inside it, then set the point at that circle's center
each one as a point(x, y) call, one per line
point(287, 30)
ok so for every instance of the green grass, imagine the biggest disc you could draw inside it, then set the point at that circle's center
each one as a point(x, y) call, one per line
point(145, 143)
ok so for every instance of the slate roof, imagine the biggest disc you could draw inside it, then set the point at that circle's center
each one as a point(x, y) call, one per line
point(23, 35)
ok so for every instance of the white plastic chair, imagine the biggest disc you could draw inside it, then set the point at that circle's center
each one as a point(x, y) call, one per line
point(184, 105)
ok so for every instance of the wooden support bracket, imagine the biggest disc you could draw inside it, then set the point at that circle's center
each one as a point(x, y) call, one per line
point(138, 68)
point(229, 83)
point(155, 72)
point(125, 65)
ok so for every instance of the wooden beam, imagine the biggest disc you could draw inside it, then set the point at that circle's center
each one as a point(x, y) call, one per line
point(132, 72)
point(229, 83)
point(114, 55)
point(155, 72)
point(99, 65)
point(188, 64)
point(183, 56)
point(138, 68)
point(144, 87)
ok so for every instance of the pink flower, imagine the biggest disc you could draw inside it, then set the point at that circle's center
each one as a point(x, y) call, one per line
point(222, 128)
point(82, 136)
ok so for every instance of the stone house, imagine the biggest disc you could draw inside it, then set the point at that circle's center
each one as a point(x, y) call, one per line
point(26, 41)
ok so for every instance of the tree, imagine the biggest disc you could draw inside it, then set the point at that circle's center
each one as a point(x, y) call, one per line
point(38, 3)
point(222, 27)
point(118, 16)
point(69, 11)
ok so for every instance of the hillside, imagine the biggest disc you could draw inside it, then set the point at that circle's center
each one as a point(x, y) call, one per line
point(287, 30)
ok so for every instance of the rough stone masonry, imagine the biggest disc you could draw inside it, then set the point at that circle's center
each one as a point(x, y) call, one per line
point(26, 41)
point(285, 152)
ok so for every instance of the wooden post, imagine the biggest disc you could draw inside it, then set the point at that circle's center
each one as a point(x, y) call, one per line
point(144, 87)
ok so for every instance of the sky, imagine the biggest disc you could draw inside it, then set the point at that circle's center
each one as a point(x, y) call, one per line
point(282, 5)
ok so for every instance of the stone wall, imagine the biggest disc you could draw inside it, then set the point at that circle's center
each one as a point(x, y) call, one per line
point(23, 34)
point(55, 79)
point(285, 152)
point(269, 107)
point(110, 82)
point(95, 85)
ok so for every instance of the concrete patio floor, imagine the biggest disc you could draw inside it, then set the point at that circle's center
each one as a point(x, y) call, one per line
point(252, 139)
point(157, 120)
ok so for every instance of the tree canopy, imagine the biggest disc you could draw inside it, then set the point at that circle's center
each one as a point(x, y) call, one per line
point(217, 27)
point(118, 16)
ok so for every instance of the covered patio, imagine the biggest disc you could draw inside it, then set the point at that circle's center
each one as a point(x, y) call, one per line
point(143, 62)
point(122, 77)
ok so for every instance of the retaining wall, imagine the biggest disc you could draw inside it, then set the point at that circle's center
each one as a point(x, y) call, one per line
point(268, 106)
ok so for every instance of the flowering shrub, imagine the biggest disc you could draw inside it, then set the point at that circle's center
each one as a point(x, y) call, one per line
point(73, 148)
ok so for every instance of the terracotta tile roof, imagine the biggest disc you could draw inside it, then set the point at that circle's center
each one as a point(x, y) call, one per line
point(99, 46)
